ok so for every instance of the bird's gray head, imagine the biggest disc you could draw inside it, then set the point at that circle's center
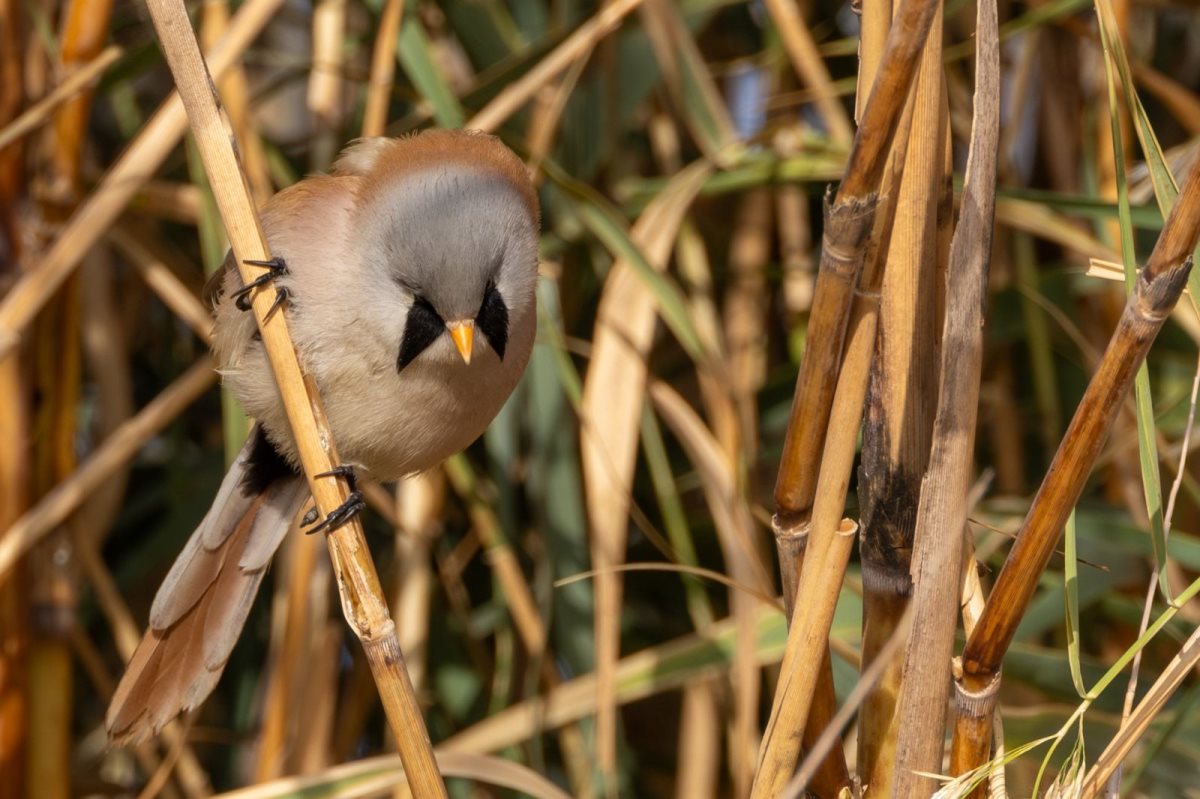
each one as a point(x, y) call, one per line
point(460, 245)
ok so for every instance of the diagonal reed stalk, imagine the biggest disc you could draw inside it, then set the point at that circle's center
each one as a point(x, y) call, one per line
point(362, 596)
point(942, 512)
point(1156, 291)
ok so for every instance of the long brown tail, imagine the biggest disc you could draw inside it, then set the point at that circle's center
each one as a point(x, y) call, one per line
point(202, 604)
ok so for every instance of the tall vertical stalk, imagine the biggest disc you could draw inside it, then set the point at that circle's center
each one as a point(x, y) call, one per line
point(900, 402)
point(849, 218)
point(942, 513)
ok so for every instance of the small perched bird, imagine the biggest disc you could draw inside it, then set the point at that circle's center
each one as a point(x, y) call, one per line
point(407, 277)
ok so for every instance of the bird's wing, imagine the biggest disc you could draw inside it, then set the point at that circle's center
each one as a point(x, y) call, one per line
point(202, 605)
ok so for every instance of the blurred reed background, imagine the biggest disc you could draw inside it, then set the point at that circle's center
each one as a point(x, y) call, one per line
point(592, 589)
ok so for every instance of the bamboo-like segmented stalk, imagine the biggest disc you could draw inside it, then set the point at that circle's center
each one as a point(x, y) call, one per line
point(900, 402)
point(848, 220)
point(802, 665)
point(803, 659)
point(358, 584)
point(942, 513)
point(1154, 296)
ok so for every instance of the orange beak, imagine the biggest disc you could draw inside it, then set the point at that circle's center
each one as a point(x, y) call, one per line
point(463, 333)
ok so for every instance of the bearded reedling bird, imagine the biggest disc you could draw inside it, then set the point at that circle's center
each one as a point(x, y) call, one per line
point(409, 275)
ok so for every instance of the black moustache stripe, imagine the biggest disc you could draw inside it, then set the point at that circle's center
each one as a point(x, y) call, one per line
point(492, 320)
point(422, 329)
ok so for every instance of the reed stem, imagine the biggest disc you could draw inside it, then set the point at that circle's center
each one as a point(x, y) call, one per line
point(362, 596)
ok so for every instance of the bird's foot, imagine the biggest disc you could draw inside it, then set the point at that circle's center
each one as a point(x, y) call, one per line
point(276, 267)
point(342, 513)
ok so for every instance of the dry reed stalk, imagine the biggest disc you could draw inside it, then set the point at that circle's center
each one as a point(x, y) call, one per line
point(95, 215)
point(874, 23)
point(833, 482)
point(973, 602)
point(746, 314)
point(57, 382)
point(14, 612)
point(1156, 291)
point(799, 677)
point(699, 769)
point(358, 584)
point(808, 774)
point(53, 589)
point(235, 97)
point(325, 80)
point(14, 425)
point(810, 67)
point(578, 45)
point(849, 217)
point(1148, 709)
point(625, 324)
point(801, 667)
point(383, 69)
point(942, 513)
point(79, 80)
point(291, 663)
point(419, 504)
point(54, 508)
point(900, 401)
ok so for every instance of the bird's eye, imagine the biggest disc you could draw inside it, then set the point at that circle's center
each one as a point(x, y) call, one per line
point(492, 319)
point(422, 329)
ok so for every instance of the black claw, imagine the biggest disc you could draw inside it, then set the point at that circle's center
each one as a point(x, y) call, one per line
point(281, 295)
point(345, 472)
point(343, 513)
point(275, 268)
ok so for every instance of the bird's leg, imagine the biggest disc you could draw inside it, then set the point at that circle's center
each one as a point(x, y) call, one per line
point(276, 267)
point(344, 512)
